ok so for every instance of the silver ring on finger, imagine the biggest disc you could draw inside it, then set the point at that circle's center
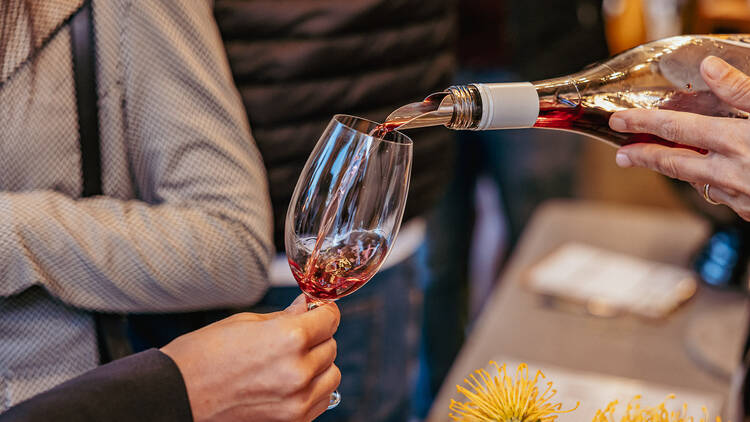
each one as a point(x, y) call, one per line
point(707, 194)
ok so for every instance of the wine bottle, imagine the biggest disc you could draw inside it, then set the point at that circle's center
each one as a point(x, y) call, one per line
point(663, 74)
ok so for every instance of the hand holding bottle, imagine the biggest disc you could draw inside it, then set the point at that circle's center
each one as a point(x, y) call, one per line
point(726, 166)
point(261, 367)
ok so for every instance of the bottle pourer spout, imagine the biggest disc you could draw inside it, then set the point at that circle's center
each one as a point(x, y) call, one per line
point(435, 110)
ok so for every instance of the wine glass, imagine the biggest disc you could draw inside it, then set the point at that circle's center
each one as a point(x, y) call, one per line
point(346, 209)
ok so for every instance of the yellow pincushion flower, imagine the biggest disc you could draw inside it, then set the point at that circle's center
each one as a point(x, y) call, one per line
point(504, 399)
point(636, 413)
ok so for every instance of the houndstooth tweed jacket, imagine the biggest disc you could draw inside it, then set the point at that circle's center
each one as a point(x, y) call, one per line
point(185, 220)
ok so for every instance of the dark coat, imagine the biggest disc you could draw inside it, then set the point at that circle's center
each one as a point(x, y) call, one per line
point(143, 387)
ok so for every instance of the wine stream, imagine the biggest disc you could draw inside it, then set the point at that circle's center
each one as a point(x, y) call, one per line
point(370, 244)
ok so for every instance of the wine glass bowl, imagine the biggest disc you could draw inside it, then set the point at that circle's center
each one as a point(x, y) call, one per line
point(346, 209)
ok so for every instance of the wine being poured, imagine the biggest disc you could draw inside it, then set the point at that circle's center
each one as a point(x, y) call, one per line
point(663, 74)
point(314, 272)
point(346, 209)
point(333, 271)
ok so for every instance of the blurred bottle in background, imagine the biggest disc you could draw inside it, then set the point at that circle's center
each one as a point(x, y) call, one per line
point(633, 22)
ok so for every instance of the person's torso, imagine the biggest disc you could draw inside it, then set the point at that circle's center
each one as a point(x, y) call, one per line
point(297, 63)
point(44, 342)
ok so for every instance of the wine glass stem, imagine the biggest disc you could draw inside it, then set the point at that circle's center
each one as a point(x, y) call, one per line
point(335, 396)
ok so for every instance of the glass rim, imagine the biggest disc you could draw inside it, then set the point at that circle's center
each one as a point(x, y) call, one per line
point(405, 140)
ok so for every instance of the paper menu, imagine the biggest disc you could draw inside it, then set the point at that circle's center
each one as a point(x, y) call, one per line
point(608, 282)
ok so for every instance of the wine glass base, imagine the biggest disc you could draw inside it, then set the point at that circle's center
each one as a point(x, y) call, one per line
point(335, 400)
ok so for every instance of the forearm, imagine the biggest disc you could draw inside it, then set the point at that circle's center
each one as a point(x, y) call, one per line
point(200, 234)
point(111, 255)
point(143, 387)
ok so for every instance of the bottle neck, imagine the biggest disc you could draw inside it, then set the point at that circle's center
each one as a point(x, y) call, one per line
point(467, 107)
point(494, 106)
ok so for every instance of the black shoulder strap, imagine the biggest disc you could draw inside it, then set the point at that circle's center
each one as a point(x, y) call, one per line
point(84, 74)
point(110, 328)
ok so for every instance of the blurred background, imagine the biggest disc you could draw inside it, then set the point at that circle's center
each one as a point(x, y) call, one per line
point(510, 177)
point(563, 39)
point(526, 245)
point(514, 174)
point(632, 22)
point(486, 208)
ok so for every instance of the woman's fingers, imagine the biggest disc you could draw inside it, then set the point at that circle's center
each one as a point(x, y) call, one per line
point(726, 165)
point(694, 168)
point(715, 194)
point(676, 163)
point(724, 135)
point(690, 166)
point(737, 202)
point(728, 83)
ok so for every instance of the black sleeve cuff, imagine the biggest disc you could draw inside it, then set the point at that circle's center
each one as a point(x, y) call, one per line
point(143, 387)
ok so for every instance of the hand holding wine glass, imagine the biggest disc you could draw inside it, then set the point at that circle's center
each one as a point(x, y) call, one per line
point(346, 209)
point(722, 175)
point(260, 367)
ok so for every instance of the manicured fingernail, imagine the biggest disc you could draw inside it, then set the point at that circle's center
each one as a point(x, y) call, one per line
point(623, 160)
point(617, 123)
point(713, 67)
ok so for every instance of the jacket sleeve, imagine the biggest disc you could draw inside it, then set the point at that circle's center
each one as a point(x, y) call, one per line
point(142, 387)
point(199, 234)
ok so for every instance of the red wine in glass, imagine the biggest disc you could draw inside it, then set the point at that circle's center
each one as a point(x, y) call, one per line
point(341, 268)
point(335, 271)
point(346, 209)
point(318, 266)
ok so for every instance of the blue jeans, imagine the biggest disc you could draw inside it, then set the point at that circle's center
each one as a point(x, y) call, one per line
point(377, 344)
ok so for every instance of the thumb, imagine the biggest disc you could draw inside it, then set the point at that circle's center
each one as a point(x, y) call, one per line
point(727, 82)
point(297, 307)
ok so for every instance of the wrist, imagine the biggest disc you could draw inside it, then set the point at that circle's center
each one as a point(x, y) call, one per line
point(193, 385)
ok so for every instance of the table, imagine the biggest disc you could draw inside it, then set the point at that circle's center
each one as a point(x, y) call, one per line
point(516, 323)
